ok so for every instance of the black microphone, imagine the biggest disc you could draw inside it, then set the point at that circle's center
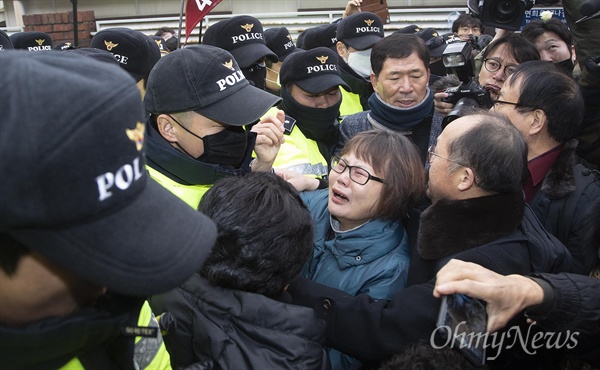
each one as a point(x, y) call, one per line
point(589, 7)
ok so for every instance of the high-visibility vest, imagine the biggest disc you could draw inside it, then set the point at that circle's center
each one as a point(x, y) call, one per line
point(350, 103)
point(300, 154)
point(191, 194)
point(149, 353)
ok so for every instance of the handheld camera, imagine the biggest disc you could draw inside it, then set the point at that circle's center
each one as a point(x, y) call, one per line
point(457, 60)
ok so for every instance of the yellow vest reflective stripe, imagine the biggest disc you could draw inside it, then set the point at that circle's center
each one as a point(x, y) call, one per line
point(149, 353)
point(300, 154)
point(191, 194)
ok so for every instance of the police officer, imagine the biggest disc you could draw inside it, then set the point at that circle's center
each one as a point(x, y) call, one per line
point(198, 100)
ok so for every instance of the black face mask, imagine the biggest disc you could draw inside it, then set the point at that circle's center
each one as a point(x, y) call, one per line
point(566, 66)
point(256, 74)
point(318, 124)
point(227, 147)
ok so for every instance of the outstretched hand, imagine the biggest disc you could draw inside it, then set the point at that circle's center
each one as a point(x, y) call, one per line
point(506, 296)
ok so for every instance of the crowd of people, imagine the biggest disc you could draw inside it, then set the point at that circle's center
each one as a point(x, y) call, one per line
point(260, 202)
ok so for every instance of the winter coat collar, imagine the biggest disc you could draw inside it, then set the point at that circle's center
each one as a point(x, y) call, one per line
point(366, 243)
point(560, 179)
point(451, 226)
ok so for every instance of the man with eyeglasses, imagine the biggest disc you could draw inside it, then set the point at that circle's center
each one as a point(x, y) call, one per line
point(478, 215)
point(500, 58)
point(547, 107)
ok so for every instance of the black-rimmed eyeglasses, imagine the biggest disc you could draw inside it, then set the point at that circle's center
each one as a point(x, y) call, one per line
point(357, 174)
point(492, 65)
point(498, 101)
point(431, 153)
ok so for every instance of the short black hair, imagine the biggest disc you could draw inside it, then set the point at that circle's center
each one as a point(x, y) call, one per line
point(265, 233)
point(496, 152)
point(543, 86)
point(423, 356)
point(466, 20)
point(398, 45)
point(161, 31)
point(521, 48)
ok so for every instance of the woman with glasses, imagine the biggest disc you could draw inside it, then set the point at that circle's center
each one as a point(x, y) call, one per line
point(500, 58)
point(360, 244)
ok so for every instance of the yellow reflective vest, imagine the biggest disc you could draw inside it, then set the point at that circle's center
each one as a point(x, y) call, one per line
point(301, 154)
point(350, 103)
point(149, 353)
point(191, 194)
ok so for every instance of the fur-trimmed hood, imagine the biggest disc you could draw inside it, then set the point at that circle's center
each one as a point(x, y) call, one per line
point(451, 226)
point(560, 179)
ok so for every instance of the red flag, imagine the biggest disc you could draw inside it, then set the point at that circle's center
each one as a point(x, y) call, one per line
point(195, 11)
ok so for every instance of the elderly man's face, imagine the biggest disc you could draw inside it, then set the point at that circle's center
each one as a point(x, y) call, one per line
point(402, 82)
point(444, 174)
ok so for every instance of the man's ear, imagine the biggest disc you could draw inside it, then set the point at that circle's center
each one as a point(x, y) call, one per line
point(341, 49)
point(374, 81)
point(540, 121)
point(166, 127)
point(467, 179)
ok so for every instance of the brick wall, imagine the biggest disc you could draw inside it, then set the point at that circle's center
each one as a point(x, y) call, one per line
point(60, 26)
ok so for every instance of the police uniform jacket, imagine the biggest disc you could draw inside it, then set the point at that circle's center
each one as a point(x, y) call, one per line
point(301, 154)
point(99, 337)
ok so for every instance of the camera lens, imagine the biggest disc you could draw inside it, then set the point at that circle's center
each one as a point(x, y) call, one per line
point(505, 11)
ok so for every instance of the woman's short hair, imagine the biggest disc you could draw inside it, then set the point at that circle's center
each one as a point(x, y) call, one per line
point(537, 27)
point(265, 233)
point(396, 159)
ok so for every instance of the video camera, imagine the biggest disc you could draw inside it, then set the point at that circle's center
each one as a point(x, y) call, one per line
point(505, 14)
point(457, 60)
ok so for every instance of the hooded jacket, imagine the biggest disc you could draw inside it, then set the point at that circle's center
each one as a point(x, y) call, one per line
point(217, 328)
point(372, 258)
